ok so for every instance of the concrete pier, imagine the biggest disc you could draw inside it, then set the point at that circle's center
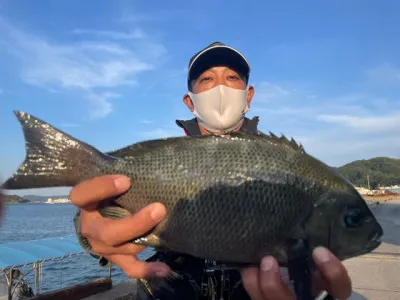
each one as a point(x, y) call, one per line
point(123, 291)
point(377, 275)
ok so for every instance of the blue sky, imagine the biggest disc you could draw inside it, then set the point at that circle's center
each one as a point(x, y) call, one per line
point(113, 72)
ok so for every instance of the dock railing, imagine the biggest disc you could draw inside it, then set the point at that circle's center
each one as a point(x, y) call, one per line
point(29, 268)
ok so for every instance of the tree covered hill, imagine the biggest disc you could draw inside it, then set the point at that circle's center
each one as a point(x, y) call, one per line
point(382, 171)
point(14, 199)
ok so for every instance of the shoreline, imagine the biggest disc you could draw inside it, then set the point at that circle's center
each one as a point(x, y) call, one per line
point(381, 198)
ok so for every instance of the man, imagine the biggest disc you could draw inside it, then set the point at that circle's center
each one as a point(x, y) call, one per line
point(219, 97)
point(218, 93)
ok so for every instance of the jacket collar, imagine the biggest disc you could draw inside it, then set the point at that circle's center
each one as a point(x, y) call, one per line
point(191, 127)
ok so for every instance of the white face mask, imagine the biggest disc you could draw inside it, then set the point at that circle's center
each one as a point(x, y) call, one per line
point(221, 108)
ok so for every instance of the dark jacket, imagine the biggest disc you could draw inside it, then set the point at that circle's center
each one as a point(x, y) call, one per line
point(191, 127)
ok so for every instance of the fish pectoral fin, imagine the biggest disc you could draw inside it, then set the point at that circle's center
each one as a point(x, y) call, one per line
point(150, 240)
point(114, 212)
point(298, 248)
point(299, 267)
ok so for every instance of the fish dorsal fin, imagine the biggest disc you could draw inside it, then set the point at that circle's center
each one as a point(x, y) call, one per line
point(130, 151)
point(292, 143)
point(271, 137)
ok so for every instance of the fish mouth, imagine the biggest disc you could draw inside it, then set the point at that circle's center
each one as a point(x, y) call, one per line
point(372, 245)
point(375, 241)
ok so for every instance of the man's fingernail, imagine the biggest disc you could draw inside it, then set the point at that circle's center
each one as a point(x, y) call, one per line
point(122, 183)
point(322, 254)
point(158, 213)
point(267, 263)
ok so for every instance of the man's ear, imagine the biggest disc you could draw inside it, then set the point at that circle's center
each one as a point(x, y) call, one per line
point(188, 102)
point(250, 94)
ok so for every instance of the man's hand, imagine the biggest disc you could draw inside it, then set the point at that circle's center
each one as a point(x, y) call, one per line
point(266, 283)
point(108, 237)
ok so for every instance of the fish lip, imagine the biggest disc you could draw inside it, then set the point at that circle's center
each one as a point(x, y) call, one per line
point(370, 246)
point(378, 235)
point(375, 242)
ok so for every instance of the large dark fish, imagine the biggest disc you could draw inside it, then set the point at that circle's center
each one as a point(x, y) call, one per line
point(232, 198)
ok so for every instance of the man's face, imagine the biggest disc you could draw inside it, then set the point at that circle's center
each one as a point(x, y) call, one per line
point(217, 76)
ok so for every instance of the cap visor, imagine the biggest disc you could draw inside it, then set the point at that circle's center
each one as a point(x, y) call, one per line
point(218, 56)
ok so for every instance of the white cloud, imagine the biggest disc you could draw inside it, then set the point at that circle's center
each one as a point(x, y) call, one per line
point(368, 124)
point(140, 17)
point(267, 91)
point(101, 107)
point(132, 35)
point(384, 74)
point(336, 129)
point(337, 148)
point(160, 15)
point(85, 74)
point(296, 102)
point(83, 66)
point(162, 133)
point(268, 95)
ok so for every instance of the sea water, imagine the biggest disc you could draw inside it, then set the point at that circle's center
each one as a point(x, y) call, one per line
point(24, 222)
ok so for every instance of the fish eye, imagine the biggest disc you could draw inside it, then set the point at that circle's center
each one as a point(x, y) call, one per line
point(353, 218)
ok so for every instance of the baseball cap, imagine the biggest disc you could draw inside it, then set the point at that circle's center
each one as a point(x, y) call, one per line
point(217, 54)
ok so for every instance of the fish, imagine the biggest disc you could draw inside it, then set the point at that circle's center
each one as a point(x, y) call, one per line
point(233, 197)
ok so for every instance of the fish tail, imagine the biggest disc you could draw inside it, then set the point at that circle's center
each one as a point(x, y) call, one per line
point(53, 158)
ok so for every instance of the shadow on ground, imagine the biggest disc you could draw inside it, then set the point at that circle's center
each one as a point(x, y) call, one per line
point(388, 216)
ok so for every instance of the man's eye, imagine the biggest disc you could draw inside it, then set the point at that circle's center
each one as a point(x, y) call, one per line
point(205, 79)
point(233, 77)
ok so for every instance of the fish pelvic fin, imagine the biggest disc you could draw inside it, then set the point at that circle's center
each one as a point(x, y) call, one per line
point(53, 158)
point(149, 239)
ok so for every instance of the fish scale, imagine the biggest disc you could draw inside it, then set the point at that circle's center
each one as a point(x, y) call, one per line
point(234, 197)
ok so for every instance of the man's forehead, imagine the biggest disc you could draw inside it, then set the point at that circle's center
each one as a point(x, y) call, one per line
point(221, 68)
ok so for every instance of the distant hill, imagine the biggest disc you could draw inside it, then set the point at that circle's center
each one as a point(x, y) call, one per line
point(14, 199)
point(382, 171)
point(34, 198)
